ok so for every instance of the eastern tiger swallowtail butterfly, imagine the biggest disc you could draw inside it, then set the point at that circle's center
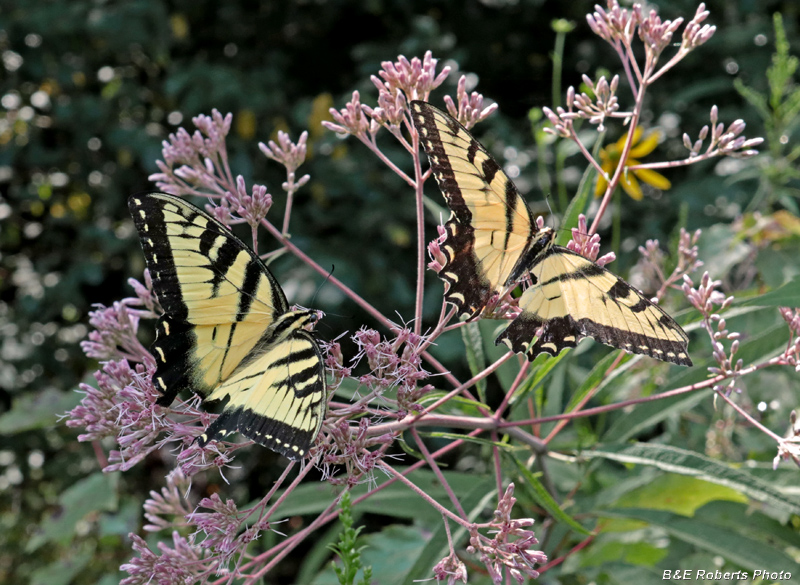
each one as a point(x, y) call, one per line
point(492, 242)
point(227, 332)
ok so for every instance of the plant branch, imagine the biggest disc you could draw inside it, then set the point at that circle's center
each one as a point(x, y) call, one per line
point(421, 493)
point(438, 473)
point(614, 181)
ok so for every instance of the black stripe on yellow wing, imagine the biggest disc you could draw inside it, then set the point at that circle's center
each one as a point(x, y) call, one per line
point(277, 400)
point(491, 226)
point(574, 298)
point(223, 309)
point(217, 295)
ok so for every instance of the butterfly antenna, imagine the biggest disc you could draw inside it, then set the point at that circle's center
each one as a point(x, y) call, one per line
point(330, 273)
point(550, 207)
point(552, 213)
point(314, 298)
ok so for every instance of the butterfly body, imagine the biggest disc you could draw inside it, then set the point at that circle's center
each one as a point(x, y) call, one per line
point(492, 242)
point(227, 332)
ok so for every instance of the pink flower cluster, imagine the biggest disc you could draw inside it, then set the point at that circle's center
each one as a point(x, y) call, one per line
point(415, 78)
point(182, 563)
point(252, 208)
point(469, 110)
point(192, 163)
point(394, 362)
point(587, 245)
point(710, 302)
point(501, 551)
point(353, 449)
point(618, 25)
point(450, 569)
point(725, 141)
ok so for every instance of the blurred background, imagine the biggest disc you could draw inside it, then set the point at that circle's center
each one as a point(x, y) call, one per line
point(89, 90)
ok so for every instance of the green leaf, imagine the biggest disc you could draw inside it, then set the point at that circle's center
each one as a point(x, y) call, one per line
point(776, 266)
point(721, 249)
point(680, 494)
point(759, 526)
point(466, 439)
point(61, 572)
point(411, 450)
point(616, 489)
point(648, 414)
point(541, 496)
point(577, 205)
point(756, 99)
point(472, 405)
point(347, 389)
point(315, 559)
point(623, 574)
point(597, 377)
point(476, 358)
point(110, 579)
point(37, 411)
point(123, 521)
point(91, 495)
point(684, 462)
point(738, 549)
point(634, 553)
point(541, 366)
point(787, 295)
point(765, 344)
point(347, 547)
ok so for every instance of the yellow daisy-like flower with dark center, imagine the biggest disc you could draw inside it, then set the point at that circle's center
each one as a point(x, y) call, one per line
point(609, 161)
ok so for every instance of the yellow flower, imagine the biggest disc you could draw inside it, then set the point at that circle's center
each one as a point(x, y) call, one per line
point(609, 160)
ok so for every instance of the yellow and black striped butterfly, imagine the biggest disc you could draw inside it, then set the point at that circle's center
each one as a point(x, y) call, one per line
point(492, 242)
point(227, 332)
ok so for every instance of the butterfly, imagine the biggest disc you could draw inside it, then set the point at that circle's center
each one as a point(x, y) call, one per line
point(492, 242)
point(227, 332)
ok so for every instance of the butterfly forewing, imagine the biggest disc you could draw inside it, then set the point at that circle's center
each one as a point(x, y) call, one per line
point(491, 224)
point(221, 304)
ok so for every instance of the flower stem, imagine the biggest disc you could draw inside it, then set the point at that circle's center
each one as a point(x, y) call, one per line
point(421, 493)
point(438, 473)
point(614, 181)
point(420, 232)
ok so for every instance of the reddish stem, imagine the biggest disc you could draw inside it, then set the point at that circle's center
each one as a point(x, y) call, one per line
point(438, 473)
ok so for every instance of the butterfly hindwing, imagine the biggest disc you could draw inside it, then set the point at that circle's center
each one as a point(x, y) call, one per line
point(491, 225)
point(223, 313)
point(293, 371)
point(574, 298)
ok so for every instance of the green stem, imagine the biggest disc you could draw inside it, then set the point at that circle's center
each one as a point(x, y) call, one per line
point(616, 222)
point(545, 183)
point(558, 62)
point(563, 198)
